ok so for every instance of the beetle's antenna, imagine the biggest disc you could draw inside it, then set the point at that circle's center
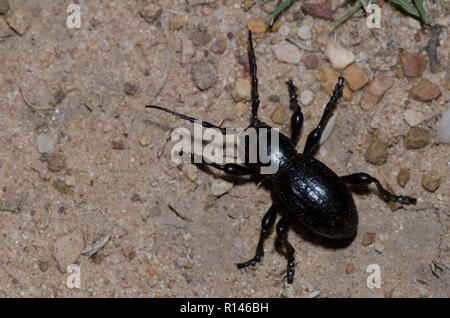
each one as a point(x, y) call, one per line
point(253, 71)
point(192, 119)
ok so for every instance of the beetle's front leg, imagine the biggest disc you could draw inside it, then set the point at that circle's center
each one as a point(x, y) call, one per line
point(282, 230)
point(266, 224)
point(365, 179)
point(297, 116)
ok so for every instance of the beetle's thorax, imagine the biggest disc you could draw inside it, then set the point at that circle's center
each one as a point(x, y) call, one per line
point(273, 149)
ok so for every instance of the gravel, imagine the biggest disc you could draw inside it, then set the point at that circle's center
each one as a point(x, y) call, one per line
point(204, 74)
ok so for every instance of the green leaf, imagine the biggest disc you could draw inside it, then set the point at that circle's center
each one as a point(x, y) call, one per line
point(280, 7)
point(407, 7)
point(422, 13)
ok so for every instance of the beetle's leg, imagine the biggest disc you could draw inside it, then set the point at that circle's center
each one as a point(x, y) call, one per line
point(297, 116)
point(228, 168)
point(314, 135)
point(364, 178)
point(266, 224)
point(282, 230)
point(252, 61)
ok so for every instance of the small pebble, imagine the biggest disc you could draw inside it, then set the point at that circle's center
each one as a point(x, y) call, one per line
point(204, 74)
point(244, 61)
point(443, 130)
point(287, 52)
point(425, 91)
point(413, 118)
point(70, 180)
point(150, 12)
point(56, 161)
point(305, 32)
point(219, 187)
point(239, 109)
point(311, 62)
point(4, 7)
point(247, 4)
point(188, 51)
point(414, 64)
point(118, 144)
point(242, 90)
point(431, 181)
point(403, 177)
point(97, 258)
point(306, 97)
point(417, 138)
point(43, 266)
point(274, 98)
point(130, 89)
point(368, 238)
point(375, 91)
point(61, 187)
point(190, 170)
point(145, 140)
point(349, 268)
point(19, 20)
point(377, 152)
point(44, 143)
point(136, 197)
point(278, 115)
point(201, 37)
point(256, 25)
point(210, 202)
point(67, 249)
point(329, 78)
point(175, 22)
point(219, 46)
point(322, 10)
point(339, 57)
point(355, 77)
point(379, 248)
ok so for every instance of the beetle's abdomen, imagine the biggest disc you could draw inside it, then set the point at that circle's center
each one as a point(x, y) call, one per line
point(316, 197)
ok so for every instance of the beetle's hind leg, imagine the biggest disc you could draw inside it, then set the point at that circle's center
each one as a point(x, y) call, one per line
point(266, 224)
point(297, 116)
point(282, 230)
point(365, 179)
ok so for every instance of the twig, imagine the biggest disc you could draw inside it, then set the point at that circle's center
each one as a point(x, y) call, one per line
point(432, 47)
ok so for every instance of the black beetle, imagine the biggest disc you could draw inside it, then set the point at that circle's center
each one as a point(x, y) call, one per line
point(311, 192)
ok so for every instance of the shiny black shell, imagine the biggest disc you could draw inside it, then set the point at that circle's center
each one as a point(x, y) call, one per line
point(315, 196)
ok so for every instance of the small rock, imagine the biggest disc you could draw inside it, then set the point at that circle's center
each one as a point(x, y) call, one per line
point(256, 25)
point(329, 78)
point(188, 51)
point(219, 187)
point(417, 138)
point(210, 202)
point(130, 89)
point(12, 204)
point(118, 144)
point(44, 143)
point(322, 10)
point(204, 74)
point(379, 248)
point(425, 91)
point(349, 268)
point(43, 266)
point(403, 177)
point(145, 140)
point(4, 7)
point(244, 61)
point(278, 115)
point(151, 12)
point(368, 238)
point(175, 22)
point(339, 57)
point(431, 181)
point(305, 32)
point(67, 249)
point(414, 64)
point(68, 64)
point(239, 109)
point(274, 98)
point(190, 170)
point(19, 20)
point(70, 180)
point(287, 52)
point(61, 187)
point(247, 4)
point(355, 77)
point(443, 130)
point(97, 258)
point(242, 90)
point(219, 46)
point(136, 197)
point(413, 118)
point(56, 161)
point(377, 152)
point(311, 62)
point(306, 97)
point(201, 37)
point(375, 91)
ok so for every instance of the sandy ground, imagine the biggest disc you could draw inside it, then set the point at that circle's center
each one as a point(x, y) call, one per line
point(81, 93)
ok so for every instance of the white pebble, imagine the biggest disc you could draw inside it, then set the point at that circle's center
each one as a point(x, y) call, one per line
point(413, 118)
point(287, 52)
point(306, 97)
point(339, 57)
point(44, 143)
point(219, 187)
point(305, 32)
point(443, 131)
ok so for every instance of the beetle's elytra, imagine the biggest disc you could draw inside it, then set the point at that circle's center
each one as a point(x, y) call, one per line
point(308, 191)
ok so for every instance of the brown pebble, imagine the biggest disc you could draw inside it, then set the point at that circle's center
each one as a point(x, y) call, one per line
point(417, 138)
point(425, 91)
point(431, 181)
point(355, 77)
point(97, 258)
point(375, 91)
point(349, 268)
point(278, 115)
point(43, 266)
point(377, 152)
point(244, 61)
point(118, 144)
point(368, 238)
point(329, 77)
point(56, 161)
point(175, 22)
point(230, 35)
point(403, 177)
point(322, 10)
point(61, 187)
point(247, 4)
point(256, 25)
point(311, 62)
point(413, 64)
point(130, 89)
point(136, 198)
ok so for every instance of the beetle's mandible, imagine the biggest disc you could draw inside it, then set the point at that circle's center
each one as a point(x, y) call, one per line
point(309, 191)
